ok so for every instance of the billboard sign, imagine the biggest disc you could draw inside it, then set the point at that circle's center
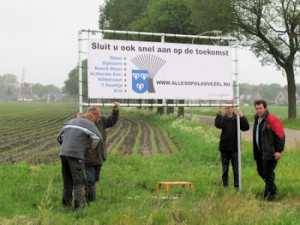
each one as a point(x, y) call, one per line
point(153, 70)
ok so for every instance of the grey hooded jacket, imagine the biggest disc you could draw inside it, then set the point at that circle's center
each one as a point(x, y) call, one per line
point(76, 135)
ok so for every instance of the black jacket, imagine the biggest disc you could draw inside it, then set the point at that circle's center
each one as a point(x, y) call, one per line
point(271, 137)
point(100, 155)
point(228, 139)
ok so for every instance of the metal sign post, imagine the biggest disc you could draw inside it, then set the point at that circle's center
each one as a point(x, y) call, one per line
point(238, 120)
point(80, 70)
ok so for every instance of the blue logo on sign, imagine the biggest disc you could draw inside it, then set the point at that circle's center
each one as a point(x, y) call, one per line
point(140, 81)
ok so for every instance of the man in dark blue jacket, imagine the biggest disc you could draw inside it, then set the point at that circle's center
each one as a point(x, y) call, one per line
point(268, 143)
point(228, 141)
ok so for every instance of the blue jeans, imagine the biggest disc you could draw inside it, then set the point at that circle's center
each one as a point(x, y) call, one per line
point(92, 174)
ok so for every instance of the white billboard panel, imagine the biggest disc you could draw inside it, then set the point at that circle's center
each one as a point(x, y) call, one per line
point(153, 70)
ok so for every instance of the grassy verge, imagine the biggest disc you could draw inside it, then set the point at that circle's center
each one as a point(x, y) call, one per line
point(32, 194)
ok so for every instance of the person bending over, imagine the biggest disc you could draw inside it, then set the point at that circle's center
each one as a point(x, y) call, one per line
point(75, 135)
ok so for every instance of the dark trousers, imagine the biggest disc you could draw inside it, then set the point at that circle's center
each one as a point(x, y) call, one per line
point(73, 176)
point(92, 174)
point(226, 157)
point(265, 169)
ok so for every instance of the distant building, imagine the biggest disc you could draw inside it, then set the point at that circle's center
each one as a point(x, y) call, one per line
point(283, 99)
point(249, 98)
point(53, 97)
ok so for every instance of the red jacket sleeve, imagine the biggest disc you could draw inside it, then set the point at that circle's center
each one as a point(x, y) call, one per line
point(276, 125)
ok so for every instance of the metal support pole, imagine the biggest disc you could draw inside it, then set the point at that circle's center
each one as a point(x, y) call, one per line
point(192, 112)
point(162, 38)
point(80, 71)
point(238, 120)
point(157, 105)
point(162, 34)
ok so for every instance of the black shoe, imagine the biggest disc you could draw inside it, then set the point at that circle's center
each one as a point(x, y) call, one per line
point(270, 197)
point(79, 205)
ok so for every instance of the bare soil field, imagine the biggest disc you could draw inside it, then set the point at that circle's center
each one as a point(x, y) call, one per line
point(30, 135)
point(138, 135)
point(131, 135)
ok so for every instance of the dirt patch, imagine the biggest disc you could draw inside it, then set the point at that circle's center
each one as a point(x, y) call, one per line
point(144, 147)
point(161, 141)
point(145, 143)
point(115, 139)
point(126, 147)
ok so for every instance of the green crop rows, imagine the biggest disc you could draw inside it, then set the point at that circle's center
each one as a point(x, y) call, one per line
point(29, 130)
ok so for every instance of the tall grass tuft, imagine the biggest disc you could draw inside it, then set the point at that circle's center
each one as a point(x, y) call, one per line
point(46, 206)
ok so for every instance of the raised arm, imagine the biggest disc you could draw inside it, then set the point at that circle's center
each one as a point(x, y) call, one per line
point(218, 119)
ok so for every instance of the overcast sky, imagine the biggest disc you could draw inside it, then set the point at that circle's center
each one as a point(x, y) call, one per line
point(42, 36)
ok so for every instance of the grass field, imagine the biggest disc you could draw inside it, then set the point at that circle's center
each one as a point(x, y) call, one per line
point(31, 193)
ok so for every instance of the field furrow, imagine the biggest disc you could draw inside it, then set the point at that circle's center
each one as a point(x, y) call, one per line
point(145, 144)
point(129, 140)
point(30, 134)
point(114, 140)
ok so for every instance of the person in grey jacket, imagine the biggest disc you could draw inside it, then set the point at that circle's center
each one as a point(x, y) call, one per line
point(94, 159)
point(74, 137)
point(228, 141)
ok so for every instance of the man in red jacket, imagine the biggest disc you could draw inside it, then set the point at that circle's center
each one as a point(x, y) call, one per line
point(268, 143)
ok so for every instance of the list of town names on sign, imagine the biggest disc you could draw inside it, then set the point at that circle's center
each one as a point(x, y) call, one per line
point(112, 74)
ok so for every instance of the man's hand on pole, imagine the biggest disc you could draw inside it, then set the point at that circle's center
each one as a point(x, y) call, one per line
point(116, 105)
point(239, 112)
point(220, 110)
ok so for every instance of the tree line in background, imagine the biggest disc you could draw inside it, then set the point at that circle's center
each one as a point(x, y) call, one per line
point(267, 91)
point(10, 88)
point(269, 28)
